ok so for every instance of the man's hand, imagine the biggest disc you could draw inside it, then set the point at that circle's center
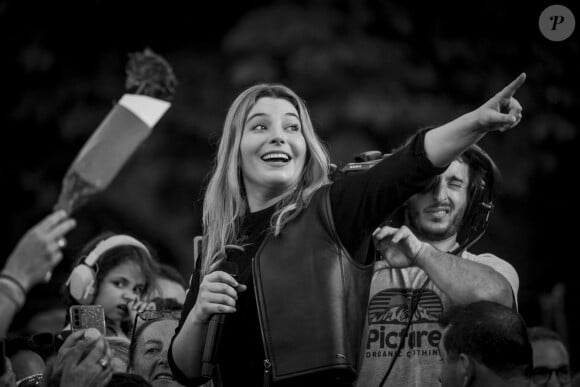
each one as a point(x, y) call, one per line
point(398, 246)
point(502, 111)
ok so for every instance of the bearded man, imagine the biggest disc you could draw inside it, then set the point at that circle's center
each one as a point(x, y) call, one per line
point(425, 268)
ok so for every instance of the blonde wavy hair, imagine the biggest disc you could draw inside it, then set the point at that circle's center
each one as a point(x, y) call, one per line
point(225, 202)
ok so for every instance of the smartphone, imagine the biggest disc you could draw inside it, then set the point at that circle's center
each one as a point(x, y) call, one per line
point(87, 316)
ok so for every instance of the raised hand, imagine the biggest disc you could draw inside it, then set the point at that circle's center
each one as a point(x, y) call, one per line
point(399, 247)
point(502, 111)
point(218, 293)
point(39, 250)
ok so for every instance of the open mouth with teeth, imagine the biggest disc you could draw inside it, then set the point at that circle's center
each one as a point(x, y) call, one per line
point(438, 211)
point(163, 376)
point(276, 157)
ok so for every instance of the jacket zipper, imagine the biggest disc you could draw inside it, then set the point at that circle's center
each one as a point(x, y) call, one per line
point(267, 366)
point(267, 362)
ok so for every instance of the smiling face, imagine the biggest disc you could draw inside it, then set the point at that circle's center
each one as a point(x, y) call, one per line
point(151, 353)
point(120, 285)
point(437, 214)
point(272, 149)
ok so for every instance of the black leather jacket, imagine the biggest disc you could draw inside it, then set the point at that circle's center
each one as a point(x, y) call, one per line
point(312, 298)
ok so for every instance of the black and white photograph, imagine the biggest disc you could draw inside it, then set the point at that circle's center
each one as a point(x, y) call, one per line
point(353, 193)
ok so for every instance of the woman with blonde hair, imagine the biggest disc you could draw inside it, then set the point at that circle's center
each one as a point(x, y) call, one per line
point(295, 309)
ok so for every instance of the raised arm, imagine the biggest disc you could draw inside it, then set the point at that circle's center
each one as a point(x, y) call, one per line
point(502, 112)
point(362, 201)
point(36, 254)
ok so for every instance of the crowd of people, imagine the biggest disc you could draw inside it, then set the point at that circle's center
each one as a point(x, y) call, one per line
point(139, 298)
point(302, 280)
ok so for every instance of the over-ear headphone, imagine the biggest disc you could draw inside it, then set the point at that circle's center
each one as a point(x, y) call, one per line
point(484, 176)
point(83, 278)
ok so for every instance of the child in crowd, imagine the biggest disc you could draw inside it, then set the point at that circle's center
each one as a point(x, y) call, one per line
point(115, 271)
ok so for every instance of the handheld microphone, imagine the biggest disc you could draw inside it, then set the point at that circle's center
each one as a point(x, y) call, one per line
point(214, 330)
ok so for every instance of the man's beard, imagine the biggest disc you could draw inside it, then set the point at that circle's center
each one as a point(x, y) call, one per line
point(427, 234)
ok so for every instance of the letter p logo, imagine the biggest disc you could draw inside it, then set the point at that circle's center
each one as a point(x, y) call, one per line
point(556, 20)
point(557, 23)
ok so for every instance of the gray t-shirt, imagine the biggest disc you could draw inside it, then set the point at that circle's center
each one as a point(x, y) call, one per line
point(391, 293)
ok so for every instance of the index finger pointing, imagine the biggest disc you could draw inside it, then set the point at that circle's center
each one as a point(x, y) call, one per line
point(511, 89)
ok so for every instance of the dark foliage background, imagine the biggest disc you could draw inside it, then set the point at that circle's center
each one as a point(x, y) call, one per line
point(372, 73)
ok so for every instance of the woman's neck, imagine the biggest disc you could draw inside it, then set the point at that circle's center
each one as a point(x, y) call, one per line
point(258, 201)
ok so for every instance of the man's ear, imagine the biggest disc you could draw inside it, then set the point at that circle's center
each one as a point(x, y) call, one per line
point(465, 369)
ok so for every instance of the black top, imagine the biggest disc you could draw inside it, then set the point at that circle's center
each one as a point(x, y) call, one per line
point(360, 202)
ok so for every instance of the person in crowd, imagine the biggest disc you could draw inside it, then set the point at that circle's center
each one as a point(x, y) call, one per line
point(158, 303)
point(149, 346)
point(84, 359)
point(484, 344)
point(26, 363)
point(30, 354)
point(7, 375)
point(551, 358)
point(30, 381)
point(115, 271)
point(298, 242)
point(120, 348)
point(169, 284)
point(30, 263)
point(35, 255)
point(425, 268)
